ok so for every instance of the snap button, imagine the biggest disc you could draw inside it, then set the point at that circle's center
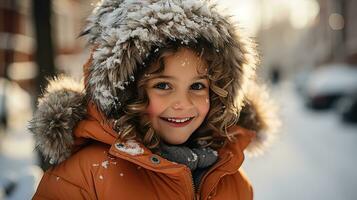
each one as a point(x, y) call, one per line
point(155, 159)
point(119, 145)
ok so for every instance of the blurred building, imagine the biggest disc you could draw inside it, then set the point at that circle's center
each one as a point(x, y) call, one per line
point(351, 30)
point(69, 16)
point(339, 25)
point(18, 42)
point(299, 36)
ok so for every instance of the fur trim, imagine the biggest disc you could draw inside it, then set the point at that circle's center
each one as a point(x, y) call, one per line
point(124, 32)
point(259, 114)
point(59, 110)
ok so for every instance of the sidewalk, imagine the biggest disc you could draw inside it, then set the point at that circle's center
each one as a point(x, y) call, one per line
point(313, 159)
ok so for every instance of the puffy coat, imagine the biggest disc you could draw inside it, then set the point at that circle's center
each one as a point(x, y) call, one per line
point(112, 169)
point(92, 163)
point(71, 125)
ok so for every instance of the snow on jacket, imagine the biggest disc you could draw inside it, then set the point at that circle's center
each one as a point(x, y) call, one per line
point(71, 125)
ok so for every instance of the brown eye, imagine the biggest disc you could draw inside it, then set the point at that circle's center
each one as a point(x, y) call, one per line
point(198, 86)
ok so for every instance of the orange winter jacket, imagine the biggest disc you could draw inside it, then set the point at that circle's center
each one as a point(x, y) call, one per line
point(108, 168)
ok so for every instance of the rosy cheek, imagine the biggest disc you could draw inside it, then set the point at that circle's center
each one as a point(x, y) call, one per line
point(204, 106)
point(150, 110)
point(155, 106)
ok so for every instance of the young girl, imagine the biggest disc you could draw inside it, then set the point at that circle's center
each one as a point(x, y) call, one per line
point(169, 105)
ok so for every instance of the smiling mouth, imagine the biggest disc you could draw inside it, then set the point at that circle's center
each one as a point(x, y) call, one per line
point(177, 120)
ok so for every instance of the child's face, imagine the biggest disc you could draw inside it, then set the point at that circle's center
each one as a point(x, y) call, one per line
point(178, 96)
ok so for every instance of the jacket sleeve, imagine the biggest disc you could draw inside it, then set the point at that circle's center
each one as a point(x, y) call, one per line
point(55, 187)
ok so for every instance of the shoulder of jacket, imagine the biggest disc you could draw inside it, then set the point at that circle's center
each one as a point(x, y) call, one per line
point(240, 179)
point(59, 186)
point(91, 160)
point(89, 155)
point(81, 163)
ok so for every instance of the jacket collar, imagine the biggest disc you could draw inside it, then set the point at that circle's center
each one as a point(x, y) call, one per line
point(96, 127)
point(230, 157)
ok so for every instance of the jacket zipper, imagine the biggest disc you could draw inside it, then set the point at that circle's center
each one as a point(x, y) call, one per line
point(193, 191)
point(220, 163)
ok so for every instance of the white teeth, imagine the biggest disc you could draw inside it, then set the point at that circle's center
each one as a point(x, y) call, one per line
point(178, 120)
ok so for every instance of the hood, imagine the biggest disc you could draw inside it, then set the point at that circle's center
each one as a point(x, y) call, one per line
point(60, 108)
point(122, 33)
point(125, 33)
point(63, 107)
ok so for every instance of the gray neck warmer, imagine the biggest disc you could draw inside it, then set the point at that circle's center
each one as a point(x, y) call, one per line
point(197, 159)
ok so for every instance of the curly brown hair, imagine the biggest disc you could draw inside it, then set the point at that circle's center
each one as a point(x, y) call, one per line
point(222, 114)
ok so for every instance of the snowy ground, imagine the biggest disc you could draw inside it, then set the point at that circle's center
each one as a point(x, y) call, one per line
point(18, 165)
point(314, 158)
point(17, 155)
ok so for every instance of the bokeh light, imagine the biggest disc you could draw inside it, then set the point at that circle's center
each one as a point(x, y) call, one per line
point(303, 13)
point(336, 21)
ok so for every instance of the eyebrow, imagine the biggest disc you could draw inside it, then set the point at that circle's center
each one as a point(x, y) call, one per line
point(171, 77)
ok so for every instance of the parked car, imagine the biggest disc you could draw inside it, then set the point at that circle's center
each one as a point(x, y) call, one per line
point(347, 108)
point(328, 84)
point(301, 80)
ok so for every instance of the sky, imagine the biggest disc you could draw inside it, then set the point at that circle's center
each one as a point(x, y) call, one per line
point(256, 14)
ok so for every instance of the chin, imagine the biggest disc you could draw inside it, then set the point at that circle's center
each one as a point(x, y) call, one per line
point(175, 141)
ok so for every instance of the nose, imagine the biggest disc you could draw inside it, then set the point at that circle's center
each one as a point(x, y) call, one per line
point(182, 101)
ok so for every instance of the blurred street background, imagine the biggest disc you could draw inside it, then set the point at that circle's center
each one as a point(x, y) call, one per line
point(308, 54)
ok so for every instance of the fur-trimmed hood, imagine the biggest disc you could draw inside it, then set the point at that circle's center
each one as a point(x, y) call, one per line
point(126, 32)
point(122, 34)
